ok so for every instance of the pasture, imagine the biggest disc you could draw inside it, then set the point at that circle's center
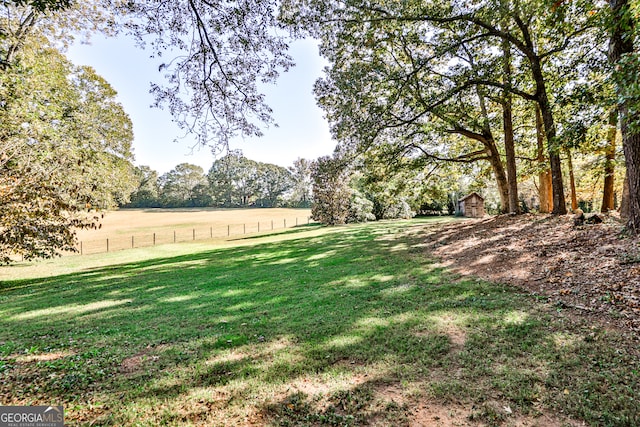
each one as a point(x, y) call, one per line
point(127, 228)
point(343, 326)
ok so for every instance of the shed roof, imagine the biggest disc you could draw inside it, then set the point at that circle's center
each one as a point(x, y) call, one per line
point(471, 195)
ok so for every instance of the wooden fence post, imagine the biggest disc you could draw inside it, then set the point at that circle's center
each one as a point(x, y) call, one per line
point(154, 239)
point(228, 230)
point(80, 247)
point(174, 236)
point(131, 242)
point(194, 234)
point(107, 245)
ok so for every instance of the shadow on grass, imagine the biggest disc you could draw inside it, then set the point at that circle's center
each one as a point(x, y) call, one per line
point(348, 312)
point(294, 230)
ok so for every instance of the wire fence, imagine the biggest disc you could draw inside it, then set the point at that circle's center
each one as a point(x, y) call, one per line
point(185, 234)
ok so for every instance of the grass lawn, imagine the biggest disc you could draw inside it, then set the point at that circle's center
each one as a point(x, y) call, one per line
point(334, 326)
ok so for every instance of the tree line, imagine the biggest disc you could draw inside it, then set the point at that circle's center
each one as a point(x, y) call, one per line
point(233, 181)
point(511, 90)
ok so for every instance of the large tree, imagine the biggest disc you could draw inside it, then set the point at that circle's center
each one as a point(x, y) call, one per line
point(146, 195)
point(65, 145)
point(331, 191)
point(273, 182)
point(625, 61)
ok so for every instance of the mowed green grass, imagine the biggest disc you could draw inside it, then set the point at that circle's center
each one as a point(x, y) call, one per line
point(341, 326)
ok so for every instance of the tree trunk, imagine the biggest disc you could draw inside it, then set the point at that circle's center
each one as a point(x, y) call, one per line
point(559, 207)
point(572, 181)
point(608, 201)
point(624, 203)
point(498, 173)
point(544, 176)
point(489, 143)
point(507, 123)
point(622, 43)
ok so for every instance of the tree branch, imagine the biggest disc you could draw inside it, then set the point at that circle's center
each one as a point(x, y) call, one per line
point(464, 158)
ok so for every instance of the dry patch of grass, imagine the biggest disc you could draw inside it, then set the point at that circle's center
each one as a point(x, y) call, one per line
point(137, 221)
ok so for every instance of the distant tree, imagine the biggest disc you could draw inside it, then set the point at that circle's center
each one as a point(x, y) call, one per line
point(272, 181)
point(201, 196)
point(301, 183)
point(177, 186)
point(331, 192)
point(221, 177)
point(146, 195)
point(233, 180)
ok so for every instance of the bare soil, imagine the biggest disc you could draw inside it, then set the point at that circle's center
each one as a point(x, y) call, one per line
point(593, 269)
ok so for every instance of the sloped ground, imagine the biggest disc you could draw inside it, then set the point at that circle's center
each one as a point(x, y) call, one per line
point(349, 326)
point(593, 269)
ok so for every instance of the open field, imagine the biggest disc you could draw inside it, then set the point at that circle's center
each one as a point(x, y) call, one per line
point(128, 228)
point(343, 326)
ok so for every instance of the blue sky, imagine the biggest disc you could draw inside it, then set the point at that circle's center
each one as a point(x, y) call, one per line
point(302, 130)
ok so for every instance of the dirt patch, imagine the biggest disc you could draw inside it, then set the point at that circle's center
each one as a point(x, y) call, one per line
point(44, 357)
point(594, 269)
point(134, 364)
point(436, 415)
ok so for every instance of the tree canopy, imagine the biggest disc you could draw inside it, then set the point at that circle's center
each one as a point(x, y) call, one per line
point(66, 146)
point(217, 54)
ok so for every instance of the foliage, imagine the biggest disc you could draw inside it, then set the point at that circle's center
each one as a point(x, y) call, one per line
point(360, 209)
point(146, 195)
point(217, 54)
point(301, 185)
point(43, 5)
point(331, 192)
point(400, 209)
point(272, 181)
point(58, 21)
point(66, 146)
point(178, 185)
